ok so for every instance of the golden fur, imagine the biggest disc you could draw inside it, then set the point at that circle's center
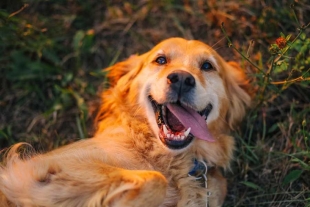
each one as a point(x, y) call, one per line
point(125, 163)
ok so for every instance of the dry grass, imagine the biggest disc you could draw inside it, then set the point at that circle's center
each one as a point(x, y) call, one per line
point(53, 53)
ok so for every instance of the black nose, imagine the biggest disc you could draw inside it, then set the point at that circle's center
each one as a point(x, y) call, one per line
point(181, 81)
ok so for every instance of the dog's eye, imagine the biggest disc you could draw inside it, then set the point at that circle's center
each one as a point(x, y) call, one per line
point(161, 60)
point(206, 66)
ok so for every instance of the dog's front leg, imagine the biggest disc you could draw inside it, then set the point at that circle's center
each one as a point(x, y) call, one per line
point(78, 181)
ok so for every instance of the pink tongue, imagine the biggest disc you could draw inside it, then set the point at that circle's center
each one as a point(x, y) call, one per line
point(190, 118)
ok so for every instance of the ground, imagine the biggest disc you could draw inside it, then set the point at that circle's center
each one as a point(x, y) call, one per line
point(53, 53)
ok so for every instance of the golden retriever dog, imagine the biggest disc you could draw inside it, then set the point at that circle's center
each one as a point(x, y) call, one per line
point(162, 139)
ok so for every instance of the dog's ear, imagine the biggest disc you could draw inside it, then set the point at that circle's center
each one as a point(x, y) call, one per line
point(239, 92)
point(115, 72)
point(121, 76)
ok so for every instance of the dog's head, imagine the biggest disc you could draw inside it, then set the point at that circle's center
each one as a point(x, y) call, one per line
point(184, 89)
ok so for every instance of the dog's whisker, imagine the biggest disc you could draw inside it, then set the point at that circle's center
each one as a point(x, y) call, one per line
point(219, 41)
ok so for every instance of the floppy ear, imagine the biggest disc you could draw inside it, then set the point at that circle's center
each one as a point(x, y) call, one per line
point(120, 76)
point(238, 93)
point(115, 72)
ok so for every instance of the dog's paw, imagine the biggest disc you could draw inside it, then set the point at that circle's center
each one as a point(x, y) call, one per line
point(136, 188)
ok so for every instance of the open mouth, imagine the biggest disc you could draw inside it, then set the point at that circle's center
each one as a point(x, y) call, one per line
point(179, 124)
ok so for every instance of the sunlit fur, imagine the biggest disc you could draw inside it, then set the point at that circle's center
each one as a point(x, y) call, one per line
point(125, 163)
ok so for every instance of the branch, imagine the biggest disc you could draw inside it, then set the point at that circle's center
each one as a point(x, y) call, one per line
point(299, 79)
point(20, 10)
point(231, 45)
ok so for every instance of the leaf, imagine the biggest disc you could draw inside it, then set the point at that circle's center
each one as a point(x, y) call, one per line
point(51, 55)
point(3, 135)
point(292, 176)
point(251, 185)
point(88, 42)
point(302, 163)
point(288, 37)
point(77, 39)
point(281, 67)
point(273, 128)
point(303, 36)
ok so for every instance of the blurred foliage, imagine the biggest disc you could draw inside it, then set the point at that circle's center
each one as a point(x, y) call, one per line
point(274, 142)
point(52, 53)
point(43, 62)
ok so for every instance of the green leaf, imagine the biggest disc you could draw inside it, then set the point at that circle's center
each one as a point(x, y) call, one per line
point(292, 176)
point(303, 36)
point(251, 185)
point(51, 55)
point(3, 135)
point(77, 40)
point(281, 66)
point(304, 165)
point(88, 42)
point(273, 128)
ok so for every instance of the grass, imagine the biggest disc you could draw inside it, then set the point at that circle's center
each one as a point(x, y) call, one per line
point(53, 53)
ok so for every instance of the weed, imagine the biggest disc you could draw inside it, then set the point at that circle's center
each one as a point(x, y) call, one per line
point(284, 138)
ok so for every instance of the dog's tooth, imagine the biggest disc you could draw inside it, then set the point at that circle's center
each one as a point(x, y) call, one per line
point(186, 133)
point(165, 129)
point(163, 110)
point(182, 137)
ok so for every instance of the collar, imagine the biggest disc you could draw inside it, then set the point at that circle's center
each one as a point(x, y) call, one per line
point(199, 171)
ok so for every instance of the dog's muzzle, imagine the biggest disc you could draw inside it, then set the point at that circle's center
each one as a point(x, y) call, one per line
point(178, 123)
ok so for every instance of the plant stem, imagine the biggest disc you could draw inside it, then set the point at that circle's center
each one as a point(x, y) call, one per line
point(301, 30)
point(231, 45)
point(299, 79)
